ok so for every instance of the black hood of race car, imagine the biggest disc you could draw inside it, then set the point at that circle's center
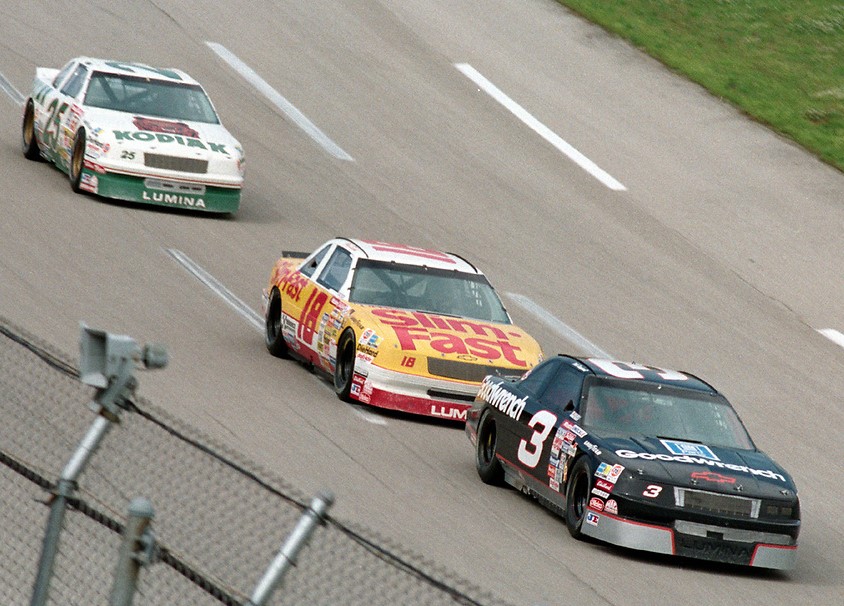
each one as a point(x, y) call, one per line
point(694, 465)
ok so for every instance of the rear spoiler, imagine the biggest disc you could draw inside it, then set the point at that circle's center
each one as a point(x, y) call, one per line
point(292, 254)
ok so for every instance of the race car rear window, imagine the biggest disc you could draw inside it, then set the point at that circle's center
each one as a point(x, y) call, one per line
point(150, 97)
point(419, 288)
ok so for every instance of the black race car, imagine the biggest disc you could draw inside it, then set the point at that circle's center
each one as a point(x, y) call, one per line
point(637, 456)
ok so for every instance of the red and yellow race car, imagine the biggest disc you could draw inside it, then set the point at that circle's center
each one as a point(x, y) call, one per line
point(396, 326)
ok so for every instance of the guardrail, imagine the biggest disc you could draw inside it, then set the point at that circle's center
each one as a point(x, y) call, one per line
point(203, 524)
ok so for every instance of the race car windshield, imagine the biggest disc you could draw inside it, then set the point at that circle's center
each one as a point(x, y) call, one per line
point(627, 408)
point(150, 97)
point(438, 291)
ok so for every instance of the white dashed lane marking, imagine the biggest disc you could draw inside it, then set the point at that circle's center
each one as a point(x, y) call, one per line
point(833, 335)
point(539, 128)
point(279, 101)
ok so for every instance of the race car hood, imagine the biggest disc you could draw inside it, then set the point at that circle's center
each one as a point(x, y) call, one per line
point(695, 465)
point(147, 133)
point(402, 332)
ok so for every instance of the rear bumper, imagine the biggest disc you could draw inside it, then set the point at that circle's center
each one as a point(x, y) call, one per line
point(764, 550)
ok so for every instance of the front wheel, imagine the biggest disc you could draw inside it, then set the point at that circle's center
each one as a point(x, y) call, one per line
point(273, 336)
point(577, 496)
point(488, 465)
point(29, 142)
point(344, 369)
point(77, 160)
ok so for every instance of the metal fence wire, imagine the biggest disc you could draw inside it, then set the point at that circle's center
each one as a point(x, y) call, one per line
point(219, 518)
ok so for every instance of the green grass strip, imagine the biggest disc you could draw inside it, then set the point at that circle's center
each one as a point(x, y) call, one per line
point(779, 61)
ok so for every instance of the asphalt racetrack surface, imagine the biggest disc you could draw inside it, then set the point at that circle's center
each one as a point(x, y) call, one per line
point(617, 208)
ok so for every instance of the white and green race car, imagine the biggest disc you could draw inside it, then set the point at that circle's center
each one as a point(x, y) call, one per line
point(133, 132)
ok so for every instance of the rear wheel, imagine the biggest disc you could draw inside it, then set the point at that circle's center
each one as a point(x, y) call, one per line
point(77, 160)
point(29, 142)
point(273, 336)
point(577, 496)
point(344, 369)
point(488, 465)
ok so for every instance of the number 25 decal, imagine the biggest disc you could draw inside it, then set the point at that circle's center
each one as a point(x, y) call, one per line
point(529, 453)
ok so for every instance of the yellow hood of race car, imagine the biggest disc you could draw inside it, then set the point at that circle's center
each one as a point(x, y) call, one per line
point(398, 338)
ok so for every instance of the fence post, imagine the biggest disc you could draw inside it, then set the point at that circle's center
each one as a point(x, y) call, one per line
point(107, 362)
point(286, 558)
point(136, 551)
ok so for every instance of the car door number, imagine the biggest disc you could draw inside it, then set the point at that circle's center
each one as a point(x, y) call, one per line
point(542, 423)
point(51, 129)
point(310, 314)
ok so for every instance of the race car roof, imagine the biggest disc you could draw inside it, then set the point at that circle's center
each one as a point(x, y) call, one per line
point(111, 66)
point(412, 255)
point(640, 372)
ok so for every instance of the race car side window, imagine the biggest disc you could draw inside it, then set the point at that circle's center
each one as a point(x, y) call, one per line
point(336, 270)
point(563, 391)
point(74, 84)
point(63, 74)
point(310, 267)
point(535, 382)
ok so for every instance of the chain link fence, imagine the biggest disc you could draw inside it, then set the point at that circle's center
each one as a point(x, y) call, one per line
point(219, 518)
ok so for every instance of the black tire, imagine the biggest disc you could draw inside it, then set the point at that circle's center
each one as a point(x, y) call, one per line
point(577, 496)
point(273, 336)
point(29, 142)
point(344, 369)
point(77, 160)
point(488, 466)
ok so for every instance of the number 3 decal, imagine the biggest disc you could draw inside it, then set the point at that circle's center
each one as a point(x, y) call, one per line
point(652, 491)
point(530, 456)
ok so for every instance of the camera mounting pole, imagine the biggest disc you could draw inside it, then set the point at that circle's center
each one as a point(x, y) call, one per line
point(107, 362)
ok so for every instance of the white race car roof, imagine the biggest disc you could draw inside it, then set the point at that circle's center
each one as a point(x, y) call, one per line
point(128, 68)
point(411, 255)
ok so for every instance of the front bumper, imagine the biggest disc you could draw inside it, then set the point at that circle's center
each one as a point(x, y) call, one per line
point(694, 540)
point(193, 195)
point(414, 394)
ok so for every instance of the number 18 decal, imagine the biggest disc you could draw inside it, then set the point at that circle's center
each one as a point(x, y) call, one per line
point(529, 454)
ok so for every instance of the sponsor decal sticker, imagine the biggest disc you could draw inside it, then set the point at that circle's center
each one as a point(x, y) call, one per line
point(611, 507)
point(554, 484)
point(164, 126)
point(648, 456)
point(89, 182)
point(357, 384)
point(601, 493)
point(451, 335)
point(447, 412)
point(596, 504)
point(592, 518)
point(370, 338)
point(366, 391)
point(687, 448)
point(575, 429)
point(502, 399)
point(608, 472)
point(146, 136)
point(174, 199)
point(590, 446)
point(604, 485)
point(711, 476)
